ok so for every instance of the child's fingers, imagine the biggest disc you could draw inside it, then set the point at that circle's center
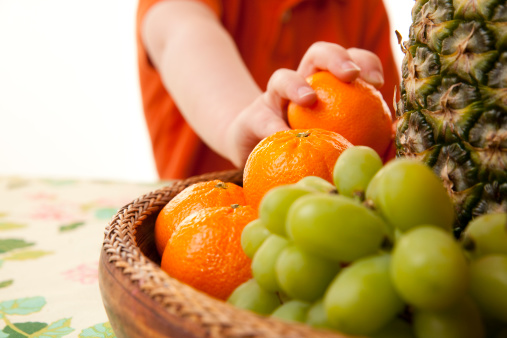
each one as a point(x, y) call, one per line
point(370, 64)
point(331, 57)
point(287, 85)
point(265, 123)
point(253, 124)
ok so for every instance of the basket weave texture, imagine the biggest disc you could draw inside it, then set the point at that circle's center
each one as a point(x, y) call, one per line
point(128, 251)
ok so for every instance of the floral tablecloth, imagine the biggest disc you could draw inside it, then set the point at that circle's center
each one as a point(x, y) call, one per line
point(51, 234)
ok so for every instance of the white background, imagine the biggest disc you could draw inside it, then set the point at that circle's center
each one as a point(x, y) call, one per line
point(69, 99)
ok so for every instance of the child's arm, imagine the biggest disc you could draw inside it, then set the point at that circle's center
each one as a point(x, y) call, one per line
point(203, 70)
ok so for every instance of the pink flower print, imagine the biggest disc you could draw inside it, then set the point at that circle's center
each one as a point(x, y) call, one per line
point(86, 273)
point(53, 212)
point(41, 196)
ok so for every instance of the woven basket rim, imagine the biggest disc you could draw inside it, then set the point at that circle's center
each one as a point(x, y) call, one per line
point(215, 317)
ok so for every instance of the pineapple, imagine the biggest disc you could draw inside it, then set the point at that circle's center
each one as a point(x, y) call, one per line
point(452, 114)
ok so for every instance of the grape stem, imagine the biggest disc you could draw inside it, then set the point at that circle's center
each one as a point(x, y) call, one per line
point(279, 297)
point(369, 204)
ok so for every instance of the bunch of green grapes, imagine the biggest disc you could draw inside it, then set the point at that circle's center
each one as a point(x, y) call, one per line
point(374, 254)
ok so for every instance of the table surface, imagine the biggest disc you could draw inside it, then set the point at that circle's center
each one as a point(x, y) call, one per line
point(51, 234)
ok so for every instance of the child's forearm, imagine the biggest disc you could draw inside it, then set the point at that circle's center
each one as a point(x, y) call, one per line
point(200, 66)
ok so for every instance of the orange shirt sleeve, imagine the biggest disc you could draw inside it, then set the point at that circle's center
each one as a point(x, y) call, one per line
point(145, 5)
point(176, 148)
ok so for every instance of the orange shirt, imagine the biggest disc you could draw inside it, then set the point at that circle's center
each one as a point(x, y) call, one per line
point(270, 35)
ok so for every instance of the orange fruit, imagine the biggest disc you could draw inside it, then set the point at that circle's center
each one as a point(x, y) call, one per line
point(354, 110)
point(195, 197)
point(205, 250)
point(287, 156)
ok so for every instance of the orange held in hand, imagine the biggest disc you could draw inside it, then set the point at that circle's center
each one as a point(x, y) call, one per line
point(191, 199)
point(287, 156)
point(354, 110)
point(205, 250)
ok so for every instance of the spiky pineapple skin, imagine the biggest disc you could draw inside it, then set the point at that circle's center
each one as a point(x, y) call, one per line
point(452, 114)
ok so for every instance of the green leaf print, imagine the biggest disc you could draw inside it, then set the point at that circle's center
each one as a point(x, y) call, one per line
point(59, 328)
point(6, 283)
point(10, 226)
point(16, 330)
point(71, 226)
point(103, 330)
point(58, 182)
point(13, 243)
point(28, 254)
point(105, 213)
point(22, 306)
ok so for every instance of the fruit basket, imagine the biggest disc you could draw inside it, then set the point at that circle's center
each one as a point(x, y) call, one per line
point(141, 300)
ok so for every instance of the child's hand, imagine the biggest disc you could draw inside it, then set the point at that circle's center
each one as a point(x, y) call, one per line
point(267, 114)
point(345, 64)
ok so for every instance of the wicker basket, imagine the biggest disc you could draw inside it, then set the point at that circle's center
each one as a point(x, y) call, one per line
point(141, 300)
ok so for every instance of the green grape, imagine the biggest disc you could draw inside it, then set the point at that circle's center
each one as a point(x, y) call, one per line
point(251, 296)
point(354, 169)
point(398, 328)
point(361, 299)
point(253, 235)
point(335, 227)
point(397, 234)
point(407, 194)
point(317, 317)
point(275, 203)
point(294, 310)
point(488, 285)
point(302, 275)
point(317, 183)
point(462, 320)
point(429, 268)
point(486, 234)
point(264, 261)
